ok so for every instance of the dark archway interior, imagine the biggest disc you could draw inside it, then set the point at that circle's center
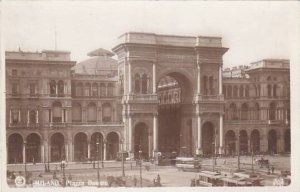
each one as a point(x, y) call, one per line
point(141, 140)
point(230, 142)
point(15, 147)
point(80, 145)
point(96, 151)
point(243, 142)
point(57, 147)
point(33, 146)
point(112, 146)
point(255, 141)
point(287, 141)
point(272, 141)
point(173, 90)
point(208, 143)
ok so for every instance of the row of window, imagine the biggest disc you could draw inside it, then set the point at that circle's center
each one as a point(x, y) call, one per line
point(208, 85)
point(92, 90)
point(234, 91)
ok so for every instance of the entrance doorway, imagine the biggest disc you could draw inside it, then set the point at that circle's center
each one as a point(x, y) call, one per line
point(141, 140)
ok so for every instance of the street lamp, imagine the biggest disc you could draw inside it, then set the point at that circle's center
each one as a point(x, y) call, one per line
point(63, 166)
point(25, 168)
point(122, 150)
point(98, 170)
point(140, 154)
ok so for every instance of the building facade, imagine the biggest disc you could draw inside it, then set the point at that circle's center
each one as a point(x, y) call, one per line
point(163, 93)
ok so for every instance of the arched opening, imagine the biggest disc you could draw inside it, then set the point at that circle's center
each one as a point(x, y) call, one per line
point(272, 142)
point(52, 88)
point(96, 151)
point(235, 91)
point(287, 141)
point(272, 111)
point(229, 92)
point(57, 112)
point(208, 138)
point(112, 145)
point(141, 140)
point(144, 84)
point(57, 147)
point(79, 89)
point(233, 113)
point(15, 149)
point(60, 88)
point(256, 112)
point(241, 91)
point(33, 148)
point(243, 142)
point(102, 90)
point(80, 147)
point(247, 93)
point(87, 90)
point(269, 90)
point(110, 89)
point(91, 113)
point(32, 116)
point(274, 90)
point(244, 111)
point(230, 142)
point(174, 132)
point(76, 112)
point(95, 90)
point(255, 141)
point(106, 113)
point(137, 84)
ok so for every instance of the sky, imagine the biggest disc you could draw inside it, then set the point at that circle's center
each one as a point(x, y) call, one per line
point(251, 30)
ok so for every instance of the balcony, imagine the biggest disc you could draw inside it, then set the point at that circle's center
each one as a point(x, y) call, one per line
point(140, 98)
point(209, 98)
point(255, 122)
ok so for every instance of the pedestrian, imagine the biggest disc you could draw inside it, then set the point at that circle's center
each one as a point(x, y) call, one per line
point(272, 169)
point(134, 181)
point(224, 162)
point(158, 179)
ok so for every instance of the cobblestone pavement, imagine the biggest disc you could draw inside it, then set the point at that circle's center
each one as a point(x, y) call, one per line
point(170, 177)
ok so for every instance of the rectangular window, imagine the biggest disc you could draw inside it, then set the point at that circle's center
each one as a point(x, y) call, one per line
point(15, 117)
point(32, 89)
point(15, 89)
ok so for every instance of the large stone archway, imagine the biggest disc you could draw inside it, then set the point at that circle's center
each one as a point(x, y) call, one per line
point(195, 63)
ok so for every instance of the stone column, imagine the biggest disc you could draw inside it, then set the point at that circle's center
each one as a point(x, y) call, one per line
point(24, 153)
point(155, 134)
point(67, 151)
point(154, 78)
point(27, 117)
point(221, 149)
point(10, 119)
point(89, 149)
point(19, 116)
point(198, 79)
point(130, 134)
point(220, 80)
point(199, 135)
point(62, 116)
point(37, 116)
point(104, 151)
point(129, 78)
point(42, 153)
point(70, 143)
point(50, 116)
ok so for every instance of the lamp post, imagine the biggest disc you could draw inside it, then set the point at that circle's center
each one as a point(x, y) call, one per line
point(140, 154)
point(25, 168)
point(123, 169)
point(63, 166)
point(98, 169)
point(102, 152)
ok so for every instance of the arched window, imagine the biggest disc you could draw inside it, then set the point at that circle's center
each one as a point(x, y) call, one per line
point(247, 91)
point(205, 85)
point(32, 116)
point(241, 91)
point(87, 90)
point(76, 112)
point(79, 90)
point(106, 113)
point(60, 88)
point(91, 112)
point(211, 85)
point(95, 90)
point(57, 112)
point(244, 112)
point(110, 89)
point(229, 91)
point(269, 78)
point(102, 90)
point(224, 91)
point(233, 112)
point(137, 81)
point(52, 88)
point(269, 90)
point(15, 116)
point(256, 112)
point(235, 91)
point(272, 111)
point(274, 91)
point(144, 83)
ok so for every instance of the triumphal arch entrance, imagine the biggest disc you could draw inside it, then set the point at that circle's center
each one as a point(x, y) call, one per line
point(172, 100)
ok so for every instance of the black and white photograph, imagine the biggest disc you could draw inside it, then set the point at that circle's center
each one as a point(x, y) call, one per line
point(159, 95)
